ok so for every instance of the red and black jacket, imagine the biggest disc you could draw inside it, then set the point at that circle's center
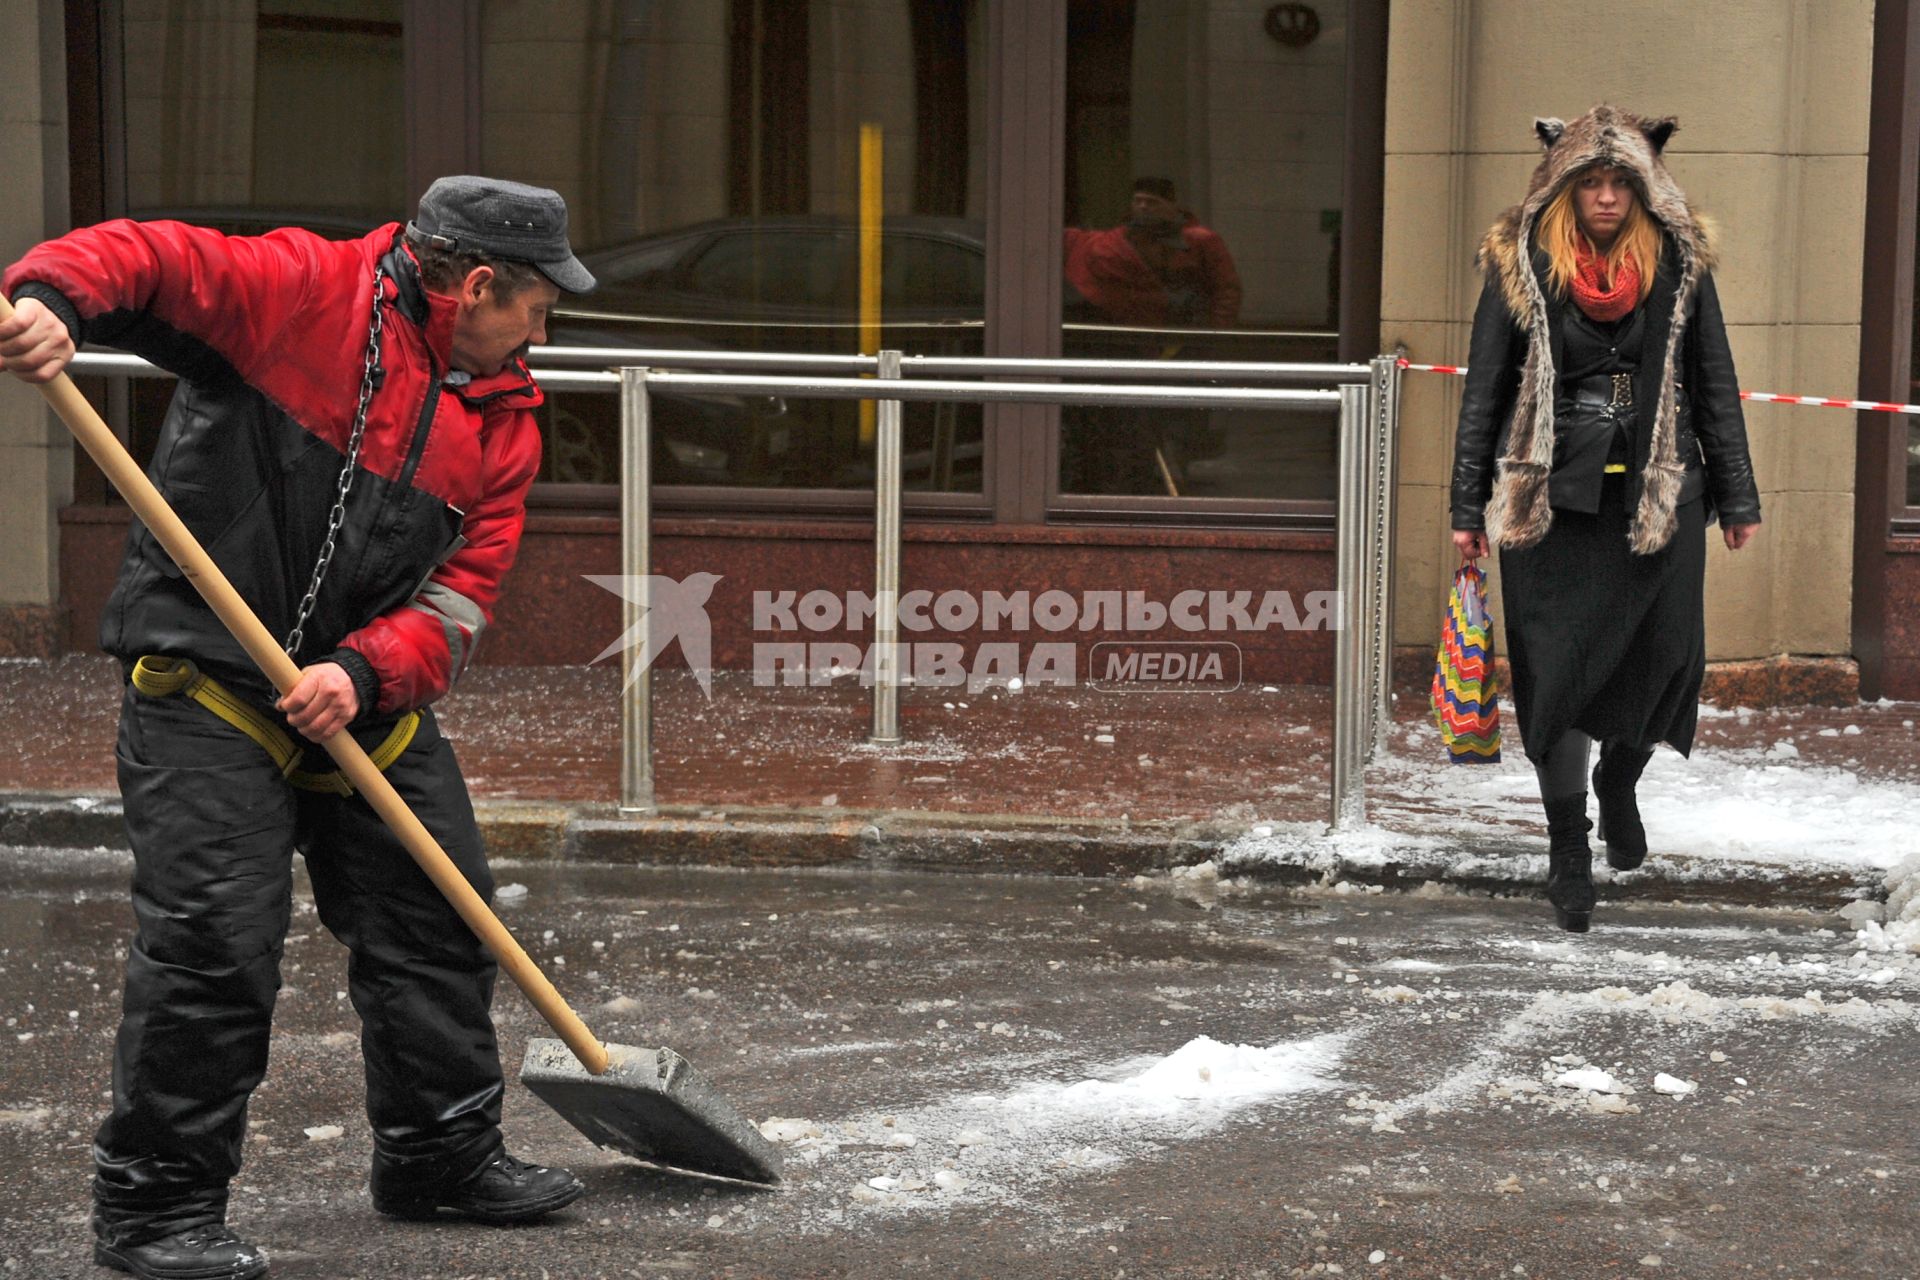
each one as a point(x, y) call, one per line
point(268, 335)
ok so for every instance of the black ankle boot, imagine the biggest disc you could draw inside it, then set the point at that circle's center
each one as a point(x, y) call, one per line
point(1570, 863)
point(505, 1190)
point(1614, 779)
point(187, 1255)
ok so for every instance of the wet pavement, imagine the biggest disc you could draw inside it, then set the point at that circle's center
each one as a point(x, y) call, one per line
point(552, 734)
point(1793, 806)
point(931, 1030)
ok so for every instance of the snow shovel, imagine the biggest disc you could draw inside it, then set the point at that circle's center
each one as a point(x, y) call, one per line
point(648, 1103)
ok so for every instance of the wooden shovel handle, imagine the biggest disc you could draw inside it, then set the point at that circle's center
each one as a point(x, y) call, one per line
point(199, 569)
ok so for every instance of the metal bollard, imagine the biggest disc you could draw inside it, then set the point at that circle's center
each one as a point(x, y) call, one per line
point(1350, 699)
point(1383, 421)
point(636, 563)
point(886, 562)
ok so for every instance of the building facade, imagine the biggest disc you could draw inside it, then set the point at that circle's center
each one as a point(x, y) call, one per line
point(1331, 166)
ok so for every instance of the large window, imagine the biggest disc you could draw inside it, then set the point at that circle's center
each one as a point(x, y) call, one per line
point(711, 152)
point(247, 115)
point(248, 111)
point(1187, 203)
point(1204, 150)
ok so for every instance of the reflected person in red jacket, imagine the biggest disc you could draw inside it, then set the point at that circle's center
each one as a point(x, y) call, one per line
point(352, 440)
point(1160, 269)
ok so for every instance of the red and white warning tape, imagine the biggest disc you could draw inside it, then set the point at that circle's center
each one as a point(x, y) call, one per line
point(1764, 397)
point(1767, 397)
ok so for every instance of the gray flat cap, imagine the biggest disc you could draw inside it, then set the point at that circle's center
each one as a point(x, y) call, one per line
point(468, 214)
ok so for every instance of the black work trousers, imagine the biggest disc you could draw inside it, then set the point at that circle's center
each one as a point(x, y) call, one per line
point(214, 827)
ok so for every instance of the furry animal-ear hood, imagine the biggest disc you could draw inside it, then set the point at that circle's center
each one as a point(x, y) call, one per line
point(1519, 514)
point(1605, 135)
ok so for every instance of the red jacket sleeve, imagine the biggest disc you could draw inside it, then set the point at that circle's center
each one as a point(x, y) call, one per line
point(235, 294)
point(419, 649)
point(1221, 279)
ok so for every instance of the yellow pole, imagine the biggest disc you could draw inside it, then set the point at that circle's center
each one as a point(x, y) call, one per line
point(870, 212)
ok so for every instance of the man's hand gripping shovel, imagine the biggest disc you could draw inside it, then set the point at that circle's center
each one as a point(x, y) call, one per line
point(648, 1103)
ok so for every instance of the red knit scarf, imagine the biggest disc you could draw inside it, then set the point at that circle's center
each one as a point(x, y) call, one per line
point(1591, 291)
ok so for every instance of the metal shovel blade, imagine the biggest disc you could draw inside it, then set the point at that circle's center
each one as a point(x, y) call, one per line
point(652, 1105)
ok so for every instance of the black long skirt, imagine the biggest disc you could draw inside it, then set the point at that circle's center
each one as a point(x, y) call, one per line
point(1602, 640)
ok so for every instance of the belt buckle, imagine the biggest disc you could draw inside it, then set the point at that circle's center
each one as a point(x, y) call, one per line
point(1622, 389)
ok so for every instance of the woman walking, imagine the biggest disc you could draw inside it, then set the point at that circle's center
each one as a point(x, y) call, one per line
point(1600, 433)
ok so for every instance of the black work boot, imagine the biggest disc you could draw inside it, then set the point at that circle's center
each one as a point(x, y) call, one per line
point(1570, 862)
point(505, 1190)
point(198, 1253)
point(1614, 779)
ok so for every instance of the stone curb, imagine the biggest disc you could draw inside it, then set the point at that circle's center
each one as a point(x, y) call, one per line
point(998, 845)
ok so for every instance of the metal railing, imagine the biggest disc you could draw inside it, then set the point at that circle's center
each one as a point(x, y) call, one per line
point(1368, 400)
point(1364, 514)
point(543, 358)
point(118, 364)
point(589, 368)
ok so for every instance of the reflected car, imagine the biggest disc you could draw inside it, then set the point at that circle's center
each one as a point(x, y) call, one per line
point(791, 284)
point(800, 272)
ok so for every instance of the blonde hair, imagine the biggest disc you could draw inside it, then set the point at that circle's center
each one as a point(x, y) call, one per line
point(1559, 234)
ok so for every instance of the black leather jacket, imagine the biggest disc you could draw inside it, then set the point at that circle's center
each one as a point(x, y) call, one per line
point(1712, 435)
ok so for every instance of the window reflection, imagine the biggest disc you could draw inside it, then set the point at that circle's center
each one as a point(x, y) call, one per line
point(248, 115)
point(1203, 191)
point(284, 105)
point(710, 152)
point(1160, 268)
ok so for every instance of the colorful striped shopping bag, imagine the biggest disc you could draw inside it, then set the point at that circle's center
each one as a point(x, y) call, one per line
point(1466, 697)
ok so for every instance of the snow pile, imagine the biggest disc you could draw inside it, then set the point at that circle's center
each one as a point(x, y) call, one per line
point(1724, 805)
point(1312, 846)
point(1002, 1147)
point(1201, 1071)
point(1721, 803)
point(1592, 1079)
point(1901, 931)
point(782, 1129)
point(1719, 806)
point(1678, 1002)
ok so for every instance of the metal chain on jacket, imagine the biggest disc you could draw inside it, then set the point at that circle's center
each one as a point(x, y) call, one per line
point(338, 516)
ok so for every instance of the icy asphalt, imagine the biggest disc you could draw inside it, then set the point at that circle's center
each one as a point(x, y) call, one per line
point(1020, 1064)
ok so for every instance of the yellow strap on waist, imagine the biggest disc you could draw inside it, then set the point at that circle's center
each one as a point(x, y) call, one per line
point(382, 756)
point(1615, 468)
point(162, 677)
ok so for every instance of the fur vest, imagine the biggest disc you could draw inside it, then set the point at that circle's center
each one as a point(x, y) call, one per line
point(1519, 513)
